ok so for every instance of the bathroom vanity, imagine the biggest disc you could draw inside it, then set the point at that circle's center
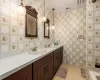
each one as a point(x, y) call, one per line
point(41, 67)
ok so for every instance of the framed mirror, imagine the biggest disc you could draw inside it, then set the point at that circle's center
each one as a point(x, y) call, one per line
point(31, 22)
point(47, 29)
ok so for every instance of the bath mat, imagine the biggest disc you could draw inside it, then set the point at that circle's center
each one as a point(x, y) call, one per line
point(83, 72)
point(98, 77)
point(62, 73)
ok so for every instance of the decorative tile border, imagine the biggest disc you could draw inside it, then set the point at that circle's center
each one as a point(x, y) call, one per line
point(93, 50)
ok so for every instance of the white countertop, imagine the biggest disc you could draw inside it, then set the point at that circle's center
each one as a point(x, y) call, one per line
point(93, 75)
point(12, 64)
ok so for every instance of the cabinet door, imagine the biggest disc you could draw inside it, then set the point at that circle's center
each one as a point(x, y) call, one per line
point(37, 70)
point(55, 63)
point(61, 54)
point(24, 74)
point(56, 60)
point(37, 73)
point(51, 69)
point(58, 56)
point(46, 68)
point(28, 72)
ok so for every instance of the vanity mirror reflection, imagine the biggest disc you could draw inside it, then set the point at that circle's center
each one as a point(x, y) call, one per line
point(47, 29)
point(31, 22)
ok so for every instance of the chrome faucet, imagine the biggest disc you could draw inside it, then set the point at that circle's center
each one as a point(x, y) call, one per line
point(34, 49)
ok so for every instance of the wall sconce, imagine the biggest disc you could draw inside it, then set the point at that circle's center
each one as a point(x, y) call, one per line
point(22, 9)
point(93, 1)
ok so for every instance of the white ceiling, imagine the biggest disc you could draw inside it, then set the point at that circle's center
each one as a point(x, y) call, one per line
point(61, 5)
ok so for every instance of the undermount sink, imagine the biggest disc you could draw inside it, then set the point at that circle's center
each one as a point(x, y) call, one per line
point(41, 51)
point(38, 52)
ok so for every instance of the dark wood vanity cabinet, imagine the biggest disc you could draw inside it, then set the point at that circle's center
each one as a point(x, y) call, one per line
point(24, 74)
point(43, 69)
point(61, 55)
point(58, 57)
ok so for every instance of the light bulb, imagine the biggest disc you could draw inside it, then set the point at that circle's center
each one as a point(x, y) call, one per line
point(47, 28)
point(53, 27)
point(44, 19)
point(22, 10)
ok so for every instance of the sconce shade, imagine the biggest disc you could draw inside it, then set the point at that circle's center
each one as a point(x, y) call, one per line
point(21, 9)
point(44, 19)
point(53, 27)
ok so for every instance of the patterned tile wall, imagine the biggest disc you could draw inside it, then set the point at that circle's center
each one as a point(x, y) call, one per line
point(71, 32)
point(93, 34)
point(12, 26)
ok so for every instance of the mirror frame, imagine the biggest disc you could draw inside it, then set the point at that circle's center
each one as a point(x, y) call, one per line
point(48, 23)
point(32, 12)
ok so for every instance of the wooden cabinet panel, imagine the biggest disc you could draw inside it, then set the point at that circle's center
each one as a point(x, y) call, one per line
point(58, 56)
point(28, 72)
point(37, 70)
point(24, 74)
point(51, 68)
point(56, 60)
point(43, 68)
point(61, 51)
point(37, 73)
point(49, 63)
point(46, 72)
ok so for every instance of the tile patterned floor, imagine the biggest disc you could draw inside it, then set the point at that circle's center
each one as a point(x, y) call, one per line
point(74, 73)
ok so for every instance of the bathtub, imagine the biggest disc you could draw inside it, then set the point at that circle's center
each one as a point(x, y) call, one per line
point(93, 75)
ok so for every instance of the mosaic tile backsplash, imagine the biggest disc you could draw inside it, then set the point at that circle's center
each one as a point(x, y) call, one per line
point(71, 32)
point(93, 34)
point(12, 26)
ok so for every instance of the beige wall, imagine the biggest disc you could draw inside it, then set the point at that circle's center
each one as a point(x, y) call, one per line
point(12, 30)
point(71, 32)
point(93, 33)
